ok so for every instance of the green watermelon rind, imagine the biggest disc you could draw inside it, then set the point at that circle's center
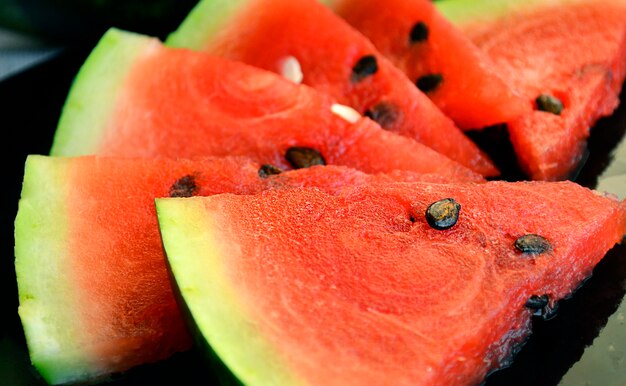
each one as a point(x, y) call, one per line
point(41, 258)
point(204, 21)
point(253, 363)
point(471, 12)
point(91, 100)
point(463, 11)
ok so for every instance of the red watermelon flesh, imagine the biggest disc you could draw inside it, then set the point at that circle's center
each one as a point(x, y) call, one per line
point(572, 50)
point(421, 42)
point(94, 292)
point(170, 102)
point(300, 287)
point(265, 33)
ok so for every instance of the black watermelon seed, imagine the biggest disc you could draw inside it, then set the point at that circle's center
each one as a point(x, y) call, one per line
point(419, 32)
point(429, 83)
point(184, 187)
point(443, 214)
point(537, 302)
point(532, 244)
point(549, 103)
point(384, 113)
point(304, 157)
point(365, 67)
point(267, 170)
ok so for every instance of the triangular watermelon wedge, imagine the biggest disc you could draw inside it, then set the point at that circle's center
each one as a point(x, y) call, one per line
point(305, 41)
point(94, 293)
point(302, 288)
point(417, 39)
point(135, 97)
point(566, 57)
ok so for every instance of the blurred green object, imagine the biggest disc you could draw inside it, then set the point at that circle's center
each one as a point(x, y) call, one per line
point(73, 21)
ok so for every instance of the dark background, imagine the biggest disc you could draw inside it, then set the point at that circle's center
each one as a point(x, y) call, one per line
point(72, 22)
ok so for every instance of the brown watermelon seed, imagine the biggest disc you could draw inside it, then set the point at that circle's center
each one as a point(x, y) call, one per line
point(549, 103)
point(532, 244)
point(429, 83)
point(419, 32)
point(365, 67)
point(536, 302)
point(384, 113)
point(267, 170)
point(443, 214)
point(184, 187)
point(304, 157)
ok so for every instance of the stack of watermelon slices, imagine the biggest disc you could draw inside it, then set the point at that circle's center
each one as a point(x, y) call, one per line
point(349, 67)
point(571, 79)
point(289, 264)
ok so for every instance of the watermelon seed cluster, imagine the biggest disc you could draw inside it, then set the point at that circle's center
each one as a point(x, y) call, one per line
point(532, 244)
point(430, 82)
point(443, 214)
point(304, 157)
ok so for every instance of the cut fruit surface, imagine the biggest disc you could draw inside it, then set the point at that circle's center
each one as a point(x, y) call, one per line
point(158, 101)
point(566, 57)
point(94, 293)
point(300, 287)
point(333, 58)
point(417, 39)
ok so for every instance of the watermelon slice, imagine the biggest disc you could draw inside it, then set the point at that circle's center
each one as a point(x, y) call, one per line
point(305, 41)
point(135, 97)
point(93, 287)
point(301, 287)
point(567, 57)
point(425, 46)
